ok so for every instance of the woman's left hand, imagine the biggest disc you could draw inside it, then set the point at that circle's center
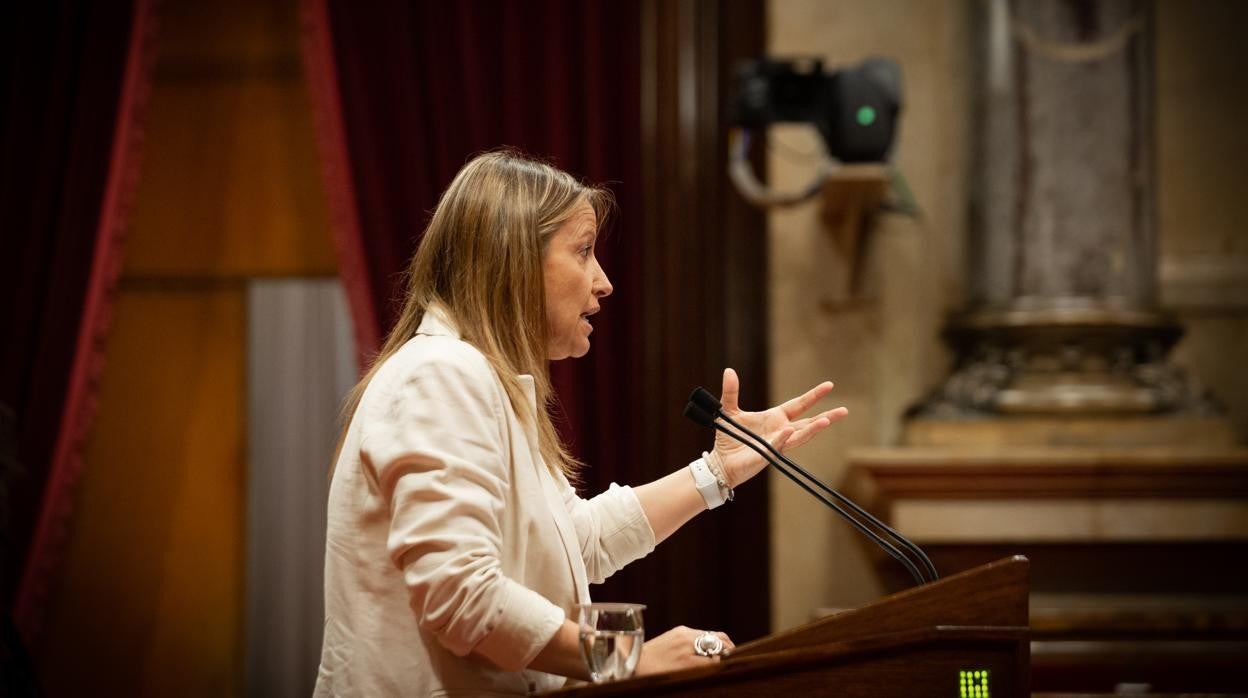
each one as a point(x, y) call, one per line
point(781, 425)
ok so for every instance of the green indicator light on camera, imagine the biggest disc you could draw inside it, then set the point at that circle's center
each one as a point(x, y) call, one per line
point(866, 116)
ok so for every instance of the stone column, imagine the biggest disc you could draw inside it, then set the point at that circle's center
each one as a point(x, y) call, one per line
point(1064, 433)
point(1063, 316)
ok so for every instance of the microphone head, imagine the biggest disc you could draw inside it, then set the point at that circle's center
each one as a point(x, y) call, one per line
point(704, 399)
point(699, 415)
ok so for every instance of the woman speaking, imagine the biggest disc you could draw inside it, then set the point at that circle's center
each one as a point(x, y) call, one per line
point(456, 549)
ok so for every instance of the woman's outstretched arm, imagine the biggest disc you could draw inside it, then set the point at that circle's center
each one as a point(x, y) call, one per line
point(672, 500)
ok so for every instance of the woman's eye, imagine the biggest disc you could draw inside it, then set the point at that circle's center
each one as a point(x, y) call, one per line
point(586, 250)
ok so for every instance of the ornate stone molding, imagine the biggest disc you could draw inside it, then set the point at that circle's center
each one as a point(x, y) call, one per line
point(1065, 359)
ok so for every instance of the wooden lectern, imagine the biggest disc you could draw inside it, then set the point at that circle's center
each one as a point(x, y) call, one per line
point(965, 635)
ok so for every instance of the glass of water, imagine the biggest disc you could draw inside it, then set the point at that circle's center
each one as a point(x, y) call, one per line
point(611, 639)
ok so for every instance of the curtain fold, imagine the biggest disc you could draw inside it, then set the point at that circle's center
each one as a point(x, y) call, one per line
point(74, 81)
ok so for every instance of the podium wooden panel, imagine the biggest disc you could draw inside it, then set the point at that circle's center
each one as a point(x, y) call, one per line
point(925, 641)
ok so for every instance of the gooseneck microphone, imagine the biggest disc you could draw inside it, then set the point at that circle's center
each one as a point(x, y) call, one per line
point(704, 409)
point(708, 403)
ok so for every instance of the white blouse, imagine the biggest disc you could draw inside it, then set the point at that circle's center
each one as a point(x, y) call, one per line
point(449, 536)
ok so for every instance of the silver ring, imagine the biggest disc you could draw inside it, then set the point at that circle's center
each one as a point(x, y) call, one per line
point(708, 645)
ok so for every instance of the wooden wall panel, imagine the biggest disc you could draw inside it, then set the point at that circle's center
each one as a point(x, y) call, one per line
point(230, 182)
point(704, 258)
point(150, 595)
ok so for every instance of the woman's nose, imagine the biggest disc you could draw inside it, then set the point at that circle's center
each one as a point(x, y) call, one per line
point(602, 285)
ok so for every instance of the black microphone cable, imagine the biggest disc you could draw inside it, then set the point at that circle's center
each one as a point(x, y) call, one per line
point(708, 403)
point(701, 416)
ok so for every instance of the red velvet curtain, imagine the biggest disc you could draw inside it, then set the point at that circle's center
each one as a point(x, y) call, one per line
point(72, 80)
point(405, 93)
point(422, 86)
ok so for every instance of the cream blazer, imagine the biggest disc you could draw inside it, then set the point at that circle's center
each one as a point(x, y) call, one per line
point(453, 553)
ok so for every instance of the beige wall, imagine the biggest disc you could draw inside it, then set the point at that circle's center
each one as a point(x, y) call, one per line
point(880, 345)
point(1202, 206)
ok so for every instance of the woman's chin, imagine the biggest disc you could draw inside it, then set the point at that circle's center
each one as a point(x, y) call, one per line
point(572, 352)
point(580, 349)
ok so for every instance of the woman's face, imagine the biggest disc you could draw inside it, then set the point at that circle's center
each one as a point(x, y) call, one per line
point(574, 284)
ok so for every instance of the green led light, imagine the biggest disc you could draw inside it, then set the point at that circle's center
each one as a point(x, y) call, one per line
point(866, 115)
point(973, 684)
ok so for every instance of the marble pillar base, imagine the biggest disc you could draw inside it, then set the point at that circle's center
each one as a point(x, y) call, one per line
point(1065, 357)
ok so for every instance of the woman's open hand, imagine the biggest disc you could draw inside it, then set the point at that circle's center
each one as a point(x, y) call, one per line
point(782, 425)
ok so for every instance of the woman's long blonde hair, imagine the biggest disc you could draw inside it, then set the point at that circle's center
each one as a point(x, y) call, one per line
point(480, 260)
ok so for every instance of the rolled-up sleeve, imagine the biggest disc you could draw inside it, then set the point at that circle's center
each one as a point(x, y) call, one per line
point(612, 529)
point(437, 445)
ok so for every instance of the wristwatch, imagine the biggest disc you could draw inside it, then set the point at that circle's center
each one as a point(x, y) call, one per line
point(707, 483)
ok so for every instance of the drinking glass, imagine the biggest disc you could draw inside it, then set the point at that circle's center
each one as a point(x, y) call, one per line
point(611, 639)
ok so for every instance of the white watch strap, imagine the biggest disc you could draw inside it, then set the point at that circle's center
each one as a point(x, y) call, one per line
point(707, 483)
